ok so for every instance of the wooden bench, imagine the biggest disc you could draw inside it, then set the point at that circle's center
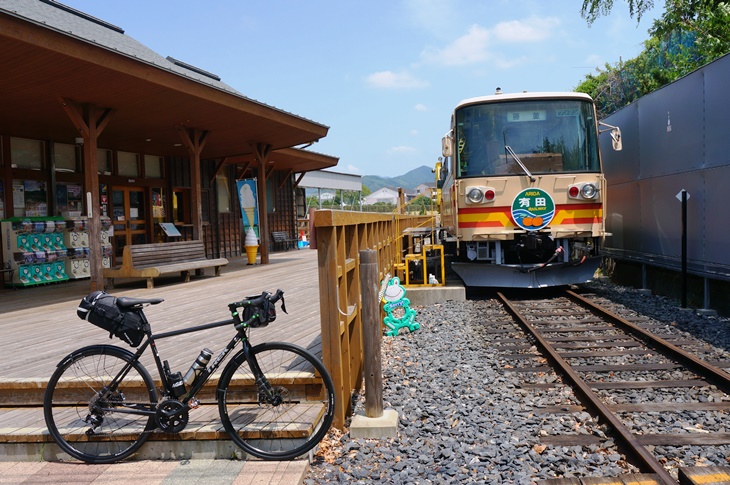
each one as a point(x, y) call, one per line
point(283, 237)
point(152, 260)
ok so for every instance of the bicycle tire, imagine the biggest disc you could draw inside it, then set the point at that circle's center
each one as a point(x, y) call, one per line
point(282, 431)
point(73, 393)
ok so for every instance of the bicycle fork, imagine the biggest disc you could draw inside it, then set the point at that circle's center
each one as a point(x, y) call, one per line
point(266, 392)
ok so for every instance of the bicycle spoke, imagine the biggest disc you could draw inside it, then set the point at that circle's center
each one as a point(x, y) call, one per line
point(88, 421)
point(285, 415)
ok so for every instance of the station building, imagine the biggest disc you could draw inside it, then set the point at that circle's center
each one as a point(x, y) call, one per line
point(97, 126)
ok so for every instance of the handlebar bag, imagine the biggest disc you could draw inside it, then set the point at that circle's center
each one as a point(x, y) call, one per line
point(267, 313)
point(100, 308)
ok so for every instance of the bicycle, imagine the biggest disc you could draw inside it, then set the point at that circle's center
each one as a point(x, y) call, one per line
point(101, 403)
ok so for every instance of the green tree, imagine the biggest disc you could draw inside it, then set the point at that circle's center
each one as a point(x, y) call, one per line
point(689, 34)
point(592, 9)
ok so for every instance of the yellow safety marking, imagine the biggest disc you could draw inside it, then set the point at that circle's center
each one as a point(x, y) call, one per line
point(714, 478)
point(561, 215)
point(495, 217)
point(640, 482)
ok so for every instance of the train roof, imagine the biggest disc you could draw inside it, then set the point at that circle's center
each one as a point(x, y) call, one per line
point(524, 96)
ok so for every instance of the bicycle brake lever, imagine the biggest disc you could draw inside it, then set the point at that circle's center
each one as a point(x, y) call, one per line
point(283, 305)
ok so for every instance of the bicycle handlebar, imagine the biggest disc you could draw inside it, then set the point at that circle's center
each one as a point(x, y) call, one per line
point(257, 302)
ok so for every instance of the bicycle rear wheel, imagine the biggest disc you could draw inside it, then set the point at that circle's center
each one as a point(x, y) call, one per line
point(286, 418)
point(86, 419)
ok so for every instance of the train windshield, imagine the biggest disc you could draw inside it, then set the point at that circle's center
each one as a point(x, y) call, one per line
point(546, 136)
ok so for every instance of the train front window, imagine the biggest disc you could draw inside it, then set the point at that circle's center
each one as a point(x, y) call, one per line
point(548, 136)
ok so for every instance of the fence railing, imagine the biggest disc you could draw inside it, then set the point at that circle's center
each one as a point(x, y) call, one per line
point(339, 237)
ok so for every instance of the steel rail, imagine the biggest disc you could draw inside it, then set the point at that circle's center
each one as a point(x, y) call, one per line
point(647, 462)
point(711, 373)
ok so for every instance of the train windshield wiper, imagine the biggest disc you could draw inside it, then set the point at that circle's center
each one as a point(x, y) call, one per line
point(519, 162)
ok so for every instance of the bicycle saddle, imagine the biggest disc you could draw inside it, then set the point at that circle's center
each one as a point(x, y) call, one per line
point(127, 302)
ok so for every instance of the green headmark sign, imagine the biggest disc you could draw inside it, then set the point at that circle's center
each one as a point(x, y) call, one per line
point(533, 209)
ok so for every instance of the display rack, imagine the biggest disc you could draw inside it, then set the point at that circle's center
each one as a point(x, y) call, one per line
point(44, 250)
point(34, 248)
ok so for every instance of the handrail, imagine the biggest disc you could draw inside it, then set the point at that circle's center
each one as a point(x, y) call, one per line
point(340, 236)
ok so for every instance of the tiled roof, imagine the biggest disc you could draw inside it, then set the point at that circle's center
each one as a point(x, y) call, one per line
point(68, 21)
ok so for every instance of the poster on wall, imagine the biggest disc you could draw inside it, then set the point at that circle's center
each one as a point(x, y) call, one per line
point(247, 196)
point(36, 204)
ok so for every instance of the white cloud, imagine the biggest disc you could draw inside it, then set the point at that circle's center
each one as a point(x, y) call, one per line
point(353, 169)
point(394, 80)
point(467, 49)
point(478, 44)
point(431, 15)
point(420, 107)
point(413, 132)
point(529, 30)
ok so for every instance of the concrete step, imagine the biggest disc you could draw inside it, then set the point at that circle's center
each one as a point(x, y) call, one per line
point(24, 437)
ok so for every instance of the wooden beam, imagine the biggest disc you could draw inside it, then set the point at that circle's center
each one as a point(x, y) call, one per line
point(90, 121)
point(218, 168)
point(194, 140)
point(243, 170)
point(299, 179)
point(261, 153)
point(285, 178)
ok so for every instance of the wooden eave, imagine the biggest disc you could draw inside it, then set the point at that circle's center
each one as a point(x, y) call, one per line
point(41, 66)
point(288, 159)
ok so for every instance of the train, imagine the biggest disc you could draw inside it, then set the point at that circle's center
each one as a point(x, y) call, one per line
point(522, 195)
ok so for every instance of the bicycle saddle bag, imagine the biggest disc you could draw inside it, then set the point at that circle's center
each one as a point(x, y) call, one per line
point(100, 308)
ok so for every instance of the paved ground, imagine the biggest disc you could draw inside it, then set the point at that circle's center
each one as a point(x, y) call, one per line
point(210, 472)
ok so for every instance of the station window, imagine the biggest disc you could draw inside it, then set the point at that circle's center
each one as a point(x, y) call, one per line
point(30, 198)
point(127, 164)
point(104, 161)
point(224, 193)
point(158, 205)
point(66, 157)
point(153, 167)
point(27, 154)
point(69, 199)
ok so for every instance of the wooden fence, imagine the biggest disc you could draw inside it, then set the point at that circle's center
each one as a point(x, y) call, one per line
point(339, 237)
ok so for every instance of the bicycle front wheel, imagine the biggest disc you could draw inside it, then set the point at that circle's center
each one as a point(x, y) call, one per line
point(284, 410)
point(90, 421)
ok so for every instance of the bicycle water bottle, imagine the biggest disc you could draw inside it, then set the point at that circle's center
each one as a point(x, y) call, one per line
point(198, 366)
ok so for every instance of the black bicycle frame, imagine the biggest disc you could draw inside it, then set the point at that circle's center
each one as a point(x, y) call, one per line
point(204, 375)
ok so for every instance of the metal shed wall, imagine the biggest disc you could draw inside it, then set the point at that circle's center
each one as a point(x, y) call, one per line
point(675, 138)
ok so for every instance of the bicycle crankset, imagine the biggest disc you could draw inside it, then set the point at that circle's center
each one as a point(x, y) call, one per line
point(172, 416)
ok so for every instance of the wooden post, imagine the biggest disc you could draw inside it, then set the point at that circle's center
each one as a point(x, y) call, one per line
point(194, 140)
point(371, 331)
point(90, 121)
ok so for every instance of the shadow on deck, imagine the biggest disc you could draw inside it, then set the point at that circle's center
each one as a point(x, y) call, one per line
point(40, 327)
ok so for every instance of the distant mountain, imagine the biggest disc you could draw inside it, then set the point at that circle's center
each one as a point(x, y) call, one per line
point(408, 181)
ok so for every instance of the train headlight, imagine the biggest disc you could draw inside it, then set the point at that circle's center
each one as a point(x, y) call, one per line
point(583, 191)
point(475, 195)
point(479, 194)
point(588, 191)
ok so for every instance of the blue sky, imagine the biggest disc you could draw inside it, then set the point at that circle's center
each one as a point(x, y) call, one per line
point(383, 75)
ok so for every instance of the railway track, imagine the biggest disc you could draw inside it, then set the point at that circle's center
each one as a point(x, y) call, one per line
point(601, 354)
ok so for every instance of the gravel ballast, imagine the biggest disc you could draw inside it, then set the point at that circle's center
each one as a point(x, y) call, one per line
point(464, 419)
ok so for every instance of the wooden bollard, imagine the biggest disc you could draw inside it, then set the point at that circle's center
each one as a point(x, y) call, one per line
point(371, 334)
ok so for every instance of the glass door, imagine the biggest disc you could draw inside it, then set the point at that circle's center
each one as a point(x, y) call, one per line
point(128, 214)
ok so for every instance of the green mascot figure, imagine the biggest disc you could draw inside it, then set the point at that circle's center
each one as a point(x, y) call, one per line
point(398, 309)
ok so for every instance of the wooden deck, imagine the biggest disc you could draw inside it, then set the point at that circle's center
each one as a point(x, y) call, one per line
point(39, 326)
